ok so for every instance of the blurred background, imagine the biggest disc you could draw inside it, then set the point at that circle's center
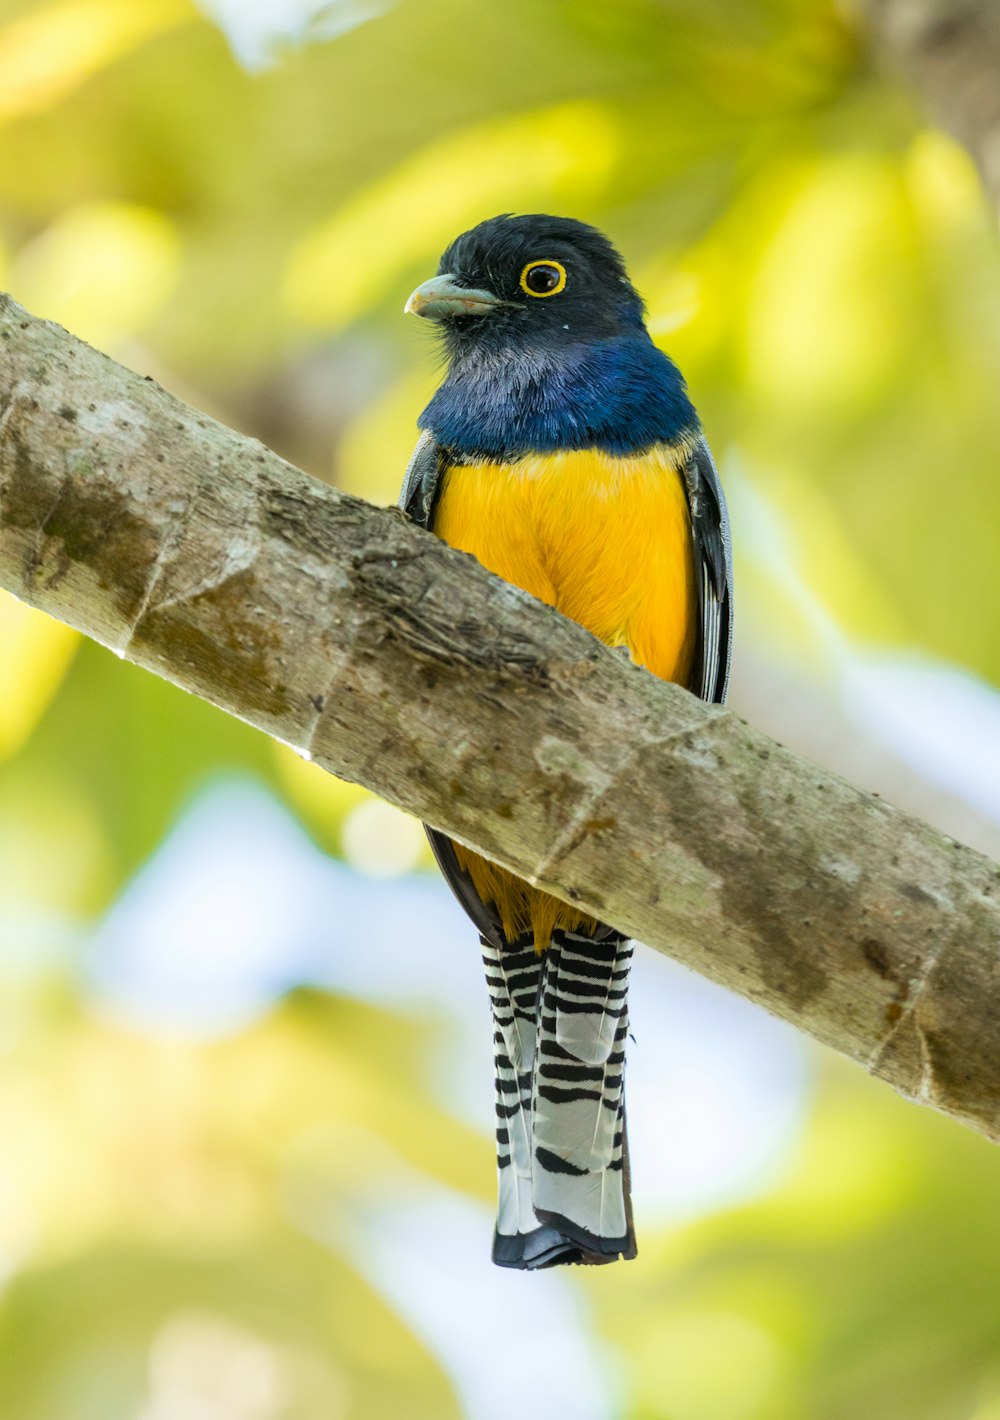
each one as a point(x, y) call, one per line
point(246, 1160)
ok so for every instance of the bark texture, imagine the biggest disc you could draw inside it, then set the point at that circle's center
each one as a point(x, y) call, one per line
point(394, 661)
point(950, 49)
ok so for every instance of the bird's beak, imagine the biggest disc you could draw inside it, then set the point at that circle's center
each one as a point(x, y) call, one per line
point(441, 298)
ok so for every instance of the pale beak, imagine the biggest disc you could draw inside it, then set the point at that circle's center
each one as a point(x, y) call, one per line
point(441, 298)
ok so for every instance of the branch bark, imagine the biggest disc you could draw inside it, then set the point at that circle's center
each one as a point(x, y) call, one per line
point(950, 50)
point(394, 661)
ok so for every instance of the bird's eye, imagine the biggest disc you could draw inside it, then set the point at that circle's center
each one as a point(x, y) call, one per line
point(543, 278)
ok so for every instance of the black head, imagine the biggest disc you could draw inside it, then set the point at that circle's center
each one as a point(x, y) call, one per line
point(523, 282)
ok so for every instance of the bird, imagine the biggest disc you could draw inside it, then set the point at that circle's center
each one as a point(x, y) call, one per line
point(562, 450)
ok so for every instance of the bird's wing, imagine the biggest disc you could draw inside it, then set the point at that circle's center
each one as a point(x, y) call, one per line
point(421, 485)
point(422, 480)
point(713, 572)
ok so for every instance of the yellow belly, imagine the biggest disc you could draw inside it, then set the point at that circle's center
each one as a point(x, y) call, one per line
point(605, 540)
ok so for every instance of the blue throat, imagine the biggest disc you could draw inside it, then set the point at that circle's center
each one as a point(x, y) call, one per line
point(620, 394)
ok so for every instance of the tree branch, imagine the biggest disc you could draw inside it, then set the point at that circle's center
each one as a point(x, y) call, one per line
point(400, 663)
point(950, 49)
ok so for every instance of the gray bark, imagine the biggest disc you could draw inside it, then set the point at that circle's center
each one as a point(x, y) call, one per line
point(397, 662)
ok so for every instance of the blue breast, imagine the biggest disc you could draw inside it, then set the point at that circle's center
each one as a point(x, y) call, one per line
point(621, 395)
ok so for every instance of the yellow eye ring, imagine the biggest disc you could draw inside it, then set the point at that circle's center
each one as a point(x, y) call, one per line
point(550, 267)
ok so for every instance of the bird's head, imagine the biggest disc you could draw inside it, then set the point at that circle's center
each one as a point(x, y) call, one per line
point(528, 283)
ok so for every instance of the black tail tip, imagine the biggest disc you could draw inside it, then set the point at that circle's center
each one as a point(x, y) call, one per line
point(559, 1243)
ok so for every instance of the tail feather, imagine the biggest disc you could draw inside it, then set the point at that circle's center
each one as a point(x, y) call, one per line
point(560, 1025)
point(514, 977)
point(579, 1182)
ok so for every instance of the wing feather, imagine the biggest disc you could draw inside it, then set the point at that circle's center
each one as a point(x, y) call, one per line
point(421, 487)
point(714, 564)
point(422, 481)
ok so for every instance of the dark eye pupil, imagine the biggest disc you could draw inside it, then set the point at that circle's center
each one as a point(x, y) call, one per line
point(542, 279)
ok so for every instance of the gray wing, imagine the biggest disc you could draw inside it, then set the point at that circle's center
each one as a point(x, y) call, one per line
point(713, 572)
point(421, 485)
point(422, 481)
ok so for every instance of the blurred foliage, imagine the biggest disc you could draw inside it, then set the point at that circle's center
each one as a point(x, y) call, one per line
point(146, 1182)
point(867, 1282)
point(825, 270)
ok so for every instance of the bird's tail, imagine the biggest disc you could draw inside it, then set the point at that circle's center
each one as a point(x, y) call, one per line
point(560, 1023)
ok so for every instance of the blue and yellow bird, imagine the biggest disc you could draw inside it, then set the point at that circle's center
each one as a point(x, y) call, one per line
point(563, 452)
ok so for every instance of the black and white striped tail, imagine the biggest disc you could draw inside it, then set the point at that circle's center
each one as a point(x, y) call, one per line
point(560, 1022)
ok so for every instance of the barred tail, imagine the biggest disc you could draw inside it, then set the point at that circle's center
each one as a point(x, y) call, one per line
point(514, 977)
point(580, 1175)
point(560, 1022)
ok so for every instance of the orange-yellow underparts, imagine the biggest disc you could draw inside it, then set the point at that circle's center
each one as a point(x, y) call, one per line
point(607, 541)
